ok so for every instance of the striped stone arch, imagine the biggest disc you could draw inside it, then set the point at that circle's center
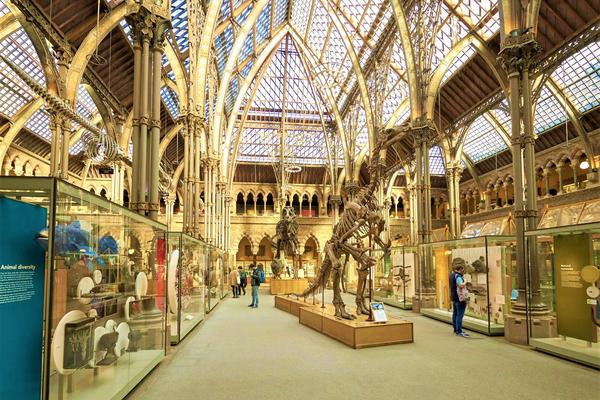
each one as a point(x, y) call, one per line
point(253, 243)
point(304, 238)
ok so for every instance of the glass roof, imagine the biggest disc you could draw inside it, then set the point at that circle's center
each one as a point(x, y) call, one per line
point(436, 161)
point(14, 93)
point(482, 140)
point(549, 112)
point(180, 24)
point(232, 16)
point(579, 75)
point(285, 89)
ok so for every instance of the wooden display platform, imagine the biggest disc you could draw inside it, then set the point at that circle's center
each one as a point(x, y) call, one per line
point(357, 333)
point(291, 305)
point(288, 286)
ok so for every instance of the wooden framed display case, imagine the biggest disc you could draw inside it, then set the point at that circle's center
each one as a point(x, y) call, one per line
point(186, 284)
point(105, 290)
point(490, 263)
point(568, 270)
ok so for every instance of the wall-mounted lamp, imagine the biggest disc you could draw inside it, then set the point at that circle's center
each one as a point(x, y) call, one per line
point(584, 164)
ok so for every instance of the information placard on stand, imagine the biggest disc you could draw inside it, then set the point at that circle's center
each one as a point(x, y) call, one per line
point(378, 311)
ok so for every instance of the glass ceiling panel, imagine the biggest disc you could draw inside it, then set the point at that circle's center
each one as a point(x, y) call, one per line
point(482, 140)
point(436, 161)
point(480, 15)
point(549, 112)
point(180, 23)
point(39, 123)
point(285, 73)
point(85, 105)
point(169, 97)
point(14, 93)
point(458, 62)
point(579, 75)
point(3, 9)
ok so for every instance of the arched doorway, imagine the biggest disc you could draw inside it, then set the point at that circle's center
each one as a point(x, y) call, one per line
point(309, 261)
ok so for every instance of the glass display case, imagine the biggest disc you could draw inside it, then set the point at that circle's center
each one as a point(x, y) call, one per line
point(215, 277)
point(186, 284)
point(490, 261)
point(497, 226)
point(394, 279)
point(568, 267)
point(105, 292)
point(570, 214)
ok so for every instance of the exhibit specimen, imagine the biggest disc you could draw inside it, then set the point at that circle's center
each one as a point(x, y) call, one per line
point(362, 220)
point(286, 243)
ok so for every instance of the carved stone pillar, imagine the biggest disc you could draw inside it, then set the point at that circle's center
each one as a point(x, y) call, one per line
point(55, 147)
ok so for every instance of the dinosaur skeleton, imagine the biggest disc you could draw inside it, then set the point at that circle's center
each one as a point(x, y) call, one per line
point(362, 221)
point(287, 241)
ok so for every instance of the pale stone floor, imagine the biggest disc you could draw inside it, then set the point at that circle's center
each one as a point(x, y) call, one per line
point(265, 353)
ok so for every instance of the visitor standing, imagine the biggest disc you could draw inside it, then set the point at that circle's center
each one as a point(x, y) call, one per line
point(459, 295)
point(255, 283)
point(234, 282)
point(243, 281)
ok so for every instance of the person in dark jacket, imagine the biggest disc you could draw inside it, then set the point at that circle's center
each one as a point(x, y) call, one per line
point(458, 307)
point(255, 283)
point(243, 281)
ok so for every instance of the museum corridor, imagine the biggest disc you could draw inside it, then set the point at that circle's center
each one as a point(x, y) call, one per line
point(265, 354)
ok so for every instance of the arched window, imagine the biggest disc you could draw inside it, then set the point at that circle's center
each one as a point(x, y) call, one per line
point(314, 206)
point(260, 204)
point(250, 205)
point(296, 204)
point(305, 206)
point(125, 198)
point(239, 204)
point(270, 204)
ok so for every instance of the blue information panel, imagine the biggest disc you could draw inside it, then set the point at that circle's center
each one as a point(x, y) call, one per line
point(22, 267)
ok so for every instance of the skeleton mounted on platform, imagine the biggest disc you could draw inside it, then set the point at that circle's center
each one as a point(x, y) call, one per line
point(286, 234)
point(357, 232)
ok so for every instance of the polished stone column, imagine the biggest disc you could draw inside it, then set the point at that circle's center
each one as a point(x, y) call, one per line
point(516, 55)
point(135, 136)
point(154, 140)
point(55, 148)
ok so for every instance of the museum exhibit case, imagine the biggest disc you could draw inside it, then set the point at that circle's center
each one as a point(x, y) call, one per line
point(186, 284)
point(216, 277)
point(393, 276)
point(568, 268)
point(105, 291)
point(490, 276)
point(497, 226)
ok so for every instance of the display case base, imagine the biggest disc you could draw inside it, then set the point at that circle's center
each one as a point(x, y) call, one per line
point(291, 305)
point(358, 333)
point(571, 349)
point(470, 323)
point(112, 382)
point(288, 286)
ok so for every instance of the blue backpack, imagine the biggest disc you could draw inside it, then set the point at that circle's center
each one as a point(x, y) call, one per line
point(243, 276)
point(261, 275)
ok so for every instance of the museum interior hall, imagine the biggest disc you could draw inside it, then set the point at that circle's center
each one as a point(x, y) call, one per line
point(299, 199)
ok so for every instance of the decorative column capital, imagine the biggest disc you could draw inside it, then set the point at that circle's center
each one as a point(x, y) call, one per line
point(335, 199)
point(518, 52)
point(423, 131)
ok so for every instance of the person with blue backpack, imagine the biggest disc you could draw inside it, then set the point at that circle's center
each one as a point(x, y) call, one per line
point(255, 283)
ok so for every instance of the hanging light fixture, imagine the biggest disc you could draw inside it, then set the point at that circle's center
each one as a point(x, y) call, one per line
point(584, 164)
